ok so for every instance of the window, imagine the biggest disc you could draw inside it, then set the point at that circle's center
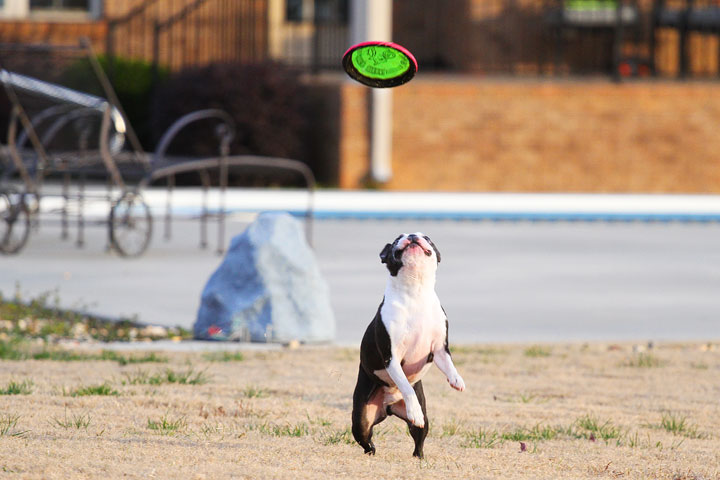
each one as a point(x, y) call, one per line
point(52, 10)
point(331, 10)
point(320, 10)
point(294, 10)
point(83, 5)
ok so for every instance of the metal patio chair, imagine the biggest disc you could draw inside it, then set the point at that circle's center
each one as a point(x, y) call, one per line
point(53, 129)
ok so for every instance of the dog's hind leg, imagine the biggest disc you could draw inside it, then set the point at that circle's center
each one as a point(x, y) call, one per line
point(418, 434)
point(367, 410)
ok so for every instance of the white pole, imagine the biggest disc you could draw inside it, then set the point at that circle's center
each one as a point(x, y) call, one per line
point(381, 135)
point(16, 9)
point(372, 20)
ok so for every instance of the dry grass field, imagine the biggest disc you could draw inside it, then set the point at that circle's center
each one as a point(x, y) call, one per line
point(530, 411)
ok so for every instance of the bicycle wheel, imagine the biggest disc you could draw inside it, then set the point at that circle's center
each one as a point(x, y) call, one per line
point(14, 222)
point(130, 225)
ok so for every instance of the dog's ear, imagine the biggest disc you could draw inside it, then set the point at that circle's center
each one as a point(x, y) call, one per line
point(437, 252)
point(385, 253)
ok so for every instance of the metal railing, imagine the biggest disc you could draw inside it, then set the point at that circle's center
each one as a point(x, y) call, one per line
point(166, 169)
point(175, 34)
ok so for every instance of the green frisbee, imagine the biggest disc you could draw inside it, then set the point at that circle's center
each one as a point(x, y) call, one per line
point(379, 64)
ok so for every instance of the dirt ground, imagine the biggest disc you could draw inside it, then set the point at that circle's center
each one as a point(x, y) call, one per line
point(548, 411)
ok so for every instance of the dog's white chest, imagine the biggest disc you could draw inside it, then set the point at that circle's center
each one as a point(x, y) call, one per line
point(416, 327)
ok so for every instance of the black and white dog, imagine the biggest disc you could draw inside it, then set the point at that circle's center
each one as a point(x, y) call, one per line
point(408, 333)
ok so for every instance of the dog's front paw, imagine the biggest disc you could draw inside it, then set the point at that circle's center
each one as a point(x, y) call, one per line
point(415, 413)
point(457, 382)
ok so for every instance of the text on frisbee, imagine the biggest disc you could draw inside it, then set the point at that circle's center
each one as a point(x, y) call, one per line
point(380, 64)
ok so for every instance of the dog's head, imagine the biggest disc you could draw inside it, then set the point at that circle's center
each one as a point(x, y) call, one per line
point(413, 251)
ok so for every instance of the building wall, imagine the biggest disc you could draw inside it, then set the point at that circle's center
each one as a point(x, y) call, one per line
point(512, 36)
point(218, 30)
point(191, 33)
point(532, 136)
point(54, 33)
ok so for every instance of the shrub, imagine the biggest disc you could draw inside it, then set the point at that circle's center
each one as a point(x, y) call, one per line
point(134, 82)
point(267, 101)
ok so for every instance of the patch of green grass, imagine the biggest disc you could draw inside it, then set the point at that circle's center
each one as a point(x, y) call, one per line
point(76, 421)
point(526, 397)
point(189, 377)
point(633, 441)
point(469, 349)
point(166, 426)
point(11, 350)
point(42, 317)
point(19, 349)
point(17, 388)
point(224, 356)
point(320, 421)
point(123, 360)
point(8, 424)
point(482, 438)
point(339, 436)
point(209, 429)
point(69, 356)
point(58, 355)
point(643, 360)
point(679, 425)
point(699, 366)
point(253, 391)
point(103, 389)
point(537, 351)
point(588, 426)
point(300, 429)
point(534, 434)
point(451, 428)
point(544, 432)
point(220, 429)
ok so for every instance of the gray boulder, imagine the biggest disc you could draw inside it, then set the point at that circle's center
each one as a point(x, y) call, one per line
point(267, 289)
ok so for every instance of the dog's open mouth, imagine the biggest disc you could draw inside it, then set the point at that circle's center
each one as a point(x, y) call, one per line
point(415, 243)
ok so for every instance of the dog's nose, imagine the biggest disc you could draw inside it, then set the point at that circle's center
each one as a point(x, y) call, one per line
point(413, 238)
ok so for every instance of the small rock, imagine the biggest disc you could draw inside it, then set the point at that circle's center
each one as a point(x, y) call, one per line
point(79, 330)
point(154, 331)
point(293, 345)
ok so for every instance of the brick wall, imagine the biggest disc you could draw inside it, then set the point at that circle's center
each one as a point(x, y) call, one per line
point(54, 33)
point(533, 136)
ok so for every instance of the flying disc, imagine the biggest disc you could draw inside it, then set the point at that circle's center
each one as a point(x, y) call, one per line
point(380, 64)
